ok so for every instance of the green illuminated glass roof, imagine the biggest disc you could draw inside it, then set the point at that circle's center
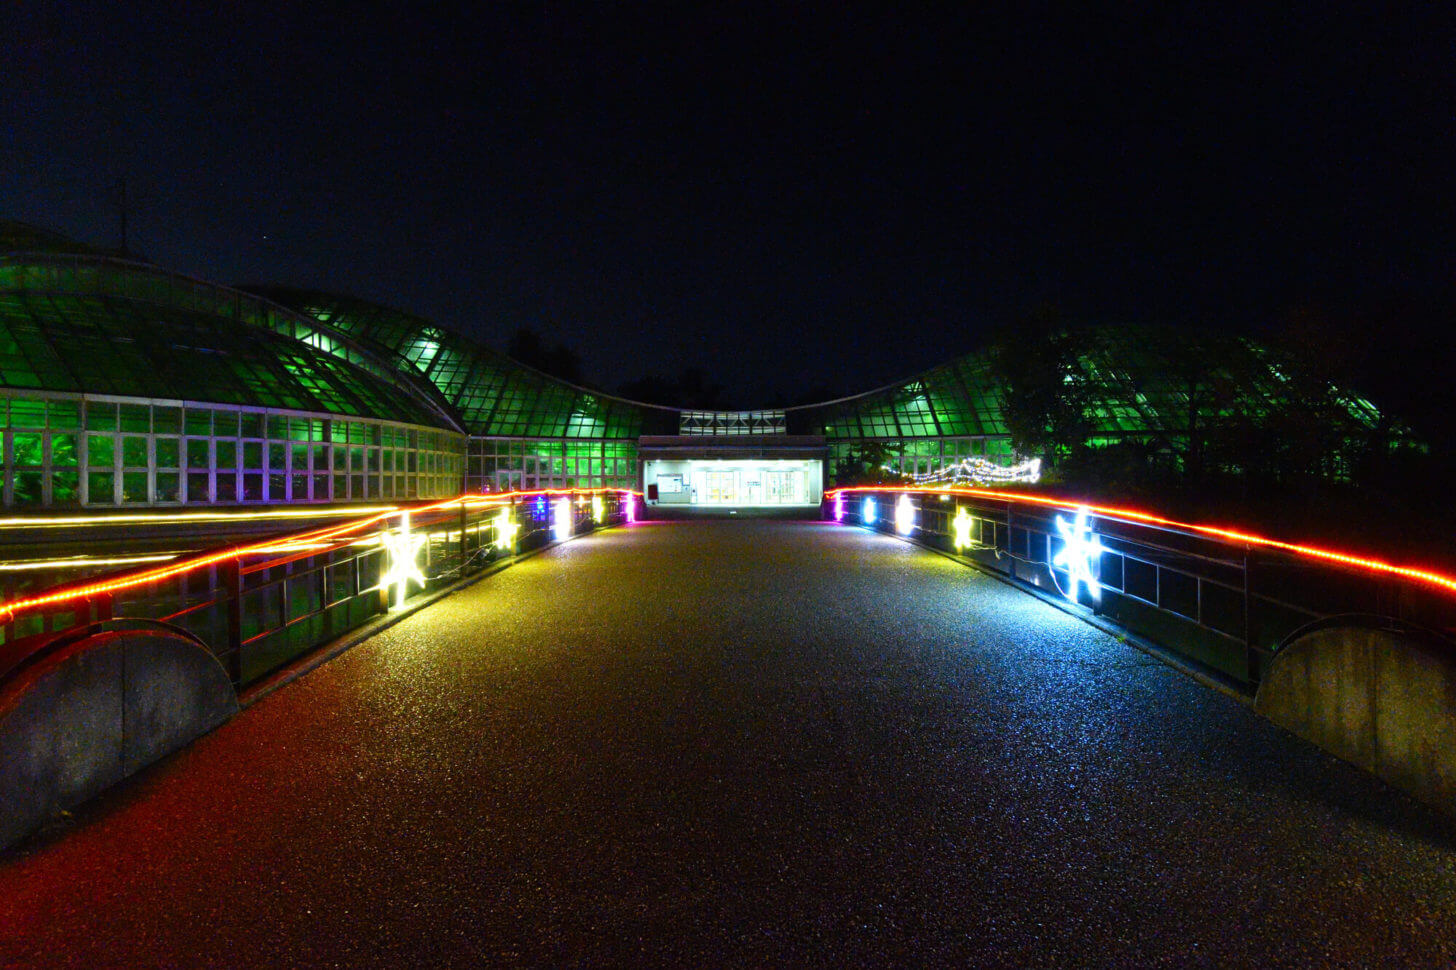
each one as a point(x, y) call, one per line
point(73, 319)
point(491, 393)
point(107, 328)
point(1140, 380)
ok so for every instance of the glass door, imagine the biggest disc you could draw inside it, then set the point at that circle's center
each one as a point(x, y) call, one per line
point(721, 489)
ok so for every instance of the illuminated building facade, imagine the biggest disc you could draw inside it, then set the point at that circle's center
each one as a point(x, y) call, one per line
point(124, 385)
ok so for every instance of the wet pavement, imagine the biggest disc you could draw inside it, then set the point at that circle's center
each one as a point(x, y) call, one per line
point(740, 744)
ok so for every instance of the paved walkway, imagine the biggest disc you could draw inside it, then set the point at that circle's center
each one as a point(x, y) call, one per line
point(740, 744)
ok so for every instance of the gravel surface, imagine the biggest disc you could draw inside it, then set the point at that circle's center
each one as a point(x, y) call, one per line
point(740, 743)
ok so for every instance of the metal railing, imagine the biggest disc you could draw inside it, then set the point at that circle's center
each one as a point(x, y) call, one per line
point(260, 605)
point(1226, 601)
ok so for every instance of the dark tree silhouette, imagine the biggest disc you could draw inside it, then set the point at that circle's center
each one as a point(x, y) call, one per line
point(527, 347)
point(1046, 403)
point(690, 389)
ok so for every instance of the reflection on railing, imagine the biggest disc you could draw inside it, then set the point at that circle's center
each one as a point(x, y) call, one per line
point(259, 605)
point(1224, 598)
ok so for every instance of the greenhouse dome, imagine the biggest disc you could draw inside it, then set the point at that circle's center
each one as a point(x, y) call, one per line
point(124, 384)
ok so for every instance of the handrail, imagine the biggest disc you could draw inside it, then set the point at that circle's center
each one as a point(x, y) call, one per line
point(253, 590)
point(1152, 521)
point(1224, 597)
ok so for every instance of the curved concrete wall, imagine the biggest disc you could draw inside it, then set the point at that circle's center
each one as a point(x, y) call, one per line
point(96, 711)
point(1383, 700)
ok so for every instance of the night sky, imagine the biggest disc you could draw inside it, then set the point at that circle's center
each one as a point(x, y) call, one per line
point(795, 198)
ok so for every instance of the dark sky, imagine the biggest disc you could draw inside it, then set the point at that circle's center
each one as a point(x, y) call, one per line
point(789, 196)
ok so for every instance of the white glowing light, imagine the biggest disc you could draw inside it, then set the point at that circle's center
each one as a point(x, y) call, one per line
point(980, 471)
point(505, 531)
point(904, 515)
point(404, 550)
point(629, 507)
point(1081, 551)
point(961, 525)
point(565, 524)
point(599, 509)
point(868, 512)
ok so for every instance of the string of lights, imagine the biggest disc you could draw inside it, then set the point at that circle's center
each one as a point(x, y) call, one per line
point(305, 541)
point(981, 471)
point(1417, 574)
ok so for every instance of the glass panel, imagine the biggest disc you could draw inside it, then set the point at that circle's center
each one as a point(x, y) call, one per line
point(167, 420)
point(63, 450)
point(28, 448)
point(65, 415)
point(134, 488)
point(101, 417)
point(27, 487)
point(100, 452)
point(27, 414)
point(197, 453)
point(136, 417)
point(199, 422)
point(134, 452)
point(167, 450)
point(65, 487)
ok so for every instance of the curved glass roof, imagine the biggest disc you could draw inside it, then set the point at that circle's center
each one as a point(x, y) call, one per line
point(86, 322)
point(491, 393)
point(1140, 380)
point(100, 326)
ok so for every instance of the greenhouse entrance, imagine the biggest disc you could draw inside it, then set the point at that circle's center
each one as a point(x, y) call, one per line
point(738, 483)
point(730, 473)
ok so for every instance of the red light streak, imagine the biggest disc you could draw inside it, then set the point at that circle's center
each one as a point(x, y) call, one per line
point(1135, 515)
point(9, 611)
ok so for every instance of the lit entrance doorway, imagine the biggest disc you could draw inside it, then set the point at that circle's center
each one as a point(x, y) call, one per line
point(733, 483)
point(728, 474)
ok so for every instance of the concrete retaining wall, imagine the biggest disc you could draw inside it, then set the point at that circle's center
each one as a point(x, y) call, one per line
point(96, 711)
point(1381, 699)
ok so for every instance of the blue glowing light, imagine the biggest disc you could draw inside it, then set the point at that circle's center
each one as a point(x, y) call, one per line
point(1080, 554)
point(868, 513)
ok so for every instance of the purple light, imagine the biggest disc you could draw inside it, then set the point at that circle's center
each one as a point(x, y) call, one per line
point(630, 507)
point(839, 507)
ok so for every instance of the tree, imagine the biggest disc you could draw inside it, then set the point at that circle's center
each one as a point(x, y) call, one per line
point(1045, 400)
point(527, 347)
point(690, 389)
point(865, 464)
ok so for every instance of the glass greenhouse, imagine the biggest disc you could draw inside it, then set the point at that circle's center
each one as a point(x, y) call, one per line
point(122, 384)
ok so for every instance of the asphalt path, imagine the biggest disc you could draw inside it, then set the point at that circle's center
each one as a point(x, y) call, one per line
point(745, 744)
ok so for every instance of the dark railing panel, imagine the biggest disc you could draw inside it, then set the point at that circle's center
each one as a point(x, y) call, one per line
point(260, 606)
point(1225, 603)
